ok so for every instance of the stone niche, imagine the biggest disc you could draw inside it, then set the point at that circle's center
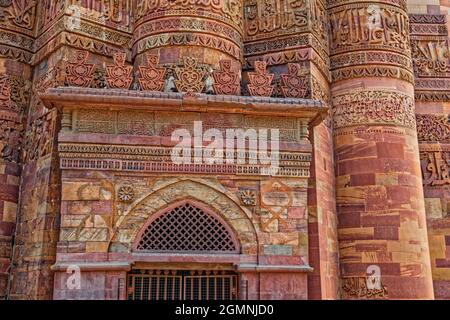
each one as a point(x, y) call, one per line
point(118, 177)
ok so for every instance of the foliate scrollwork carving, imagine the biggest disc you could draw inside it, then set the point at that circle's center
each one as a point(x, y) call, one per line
point(39, 138)
point(152, 76)
point(226, 81)
point(433, 128)
point(260, 81)
point(119, 75)
point(367, 107)
point(190, 77)
point(11, 136)
point(14, 93)
point(5, 93)
point(78, 72)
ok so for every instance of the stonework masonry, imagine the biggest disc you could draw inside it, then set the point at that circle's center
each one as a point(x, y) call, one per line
point(92, 91)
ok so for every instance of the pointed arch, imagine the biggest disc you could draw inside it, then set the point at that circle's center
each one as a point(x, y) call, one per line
point(214, 199)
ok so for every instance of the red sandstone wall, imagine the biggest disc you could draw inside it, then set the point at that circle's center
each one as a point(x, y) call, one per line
point(14, 98)
point(38, 215)
point(323, 283)
point(378, 185)
point(432, 111)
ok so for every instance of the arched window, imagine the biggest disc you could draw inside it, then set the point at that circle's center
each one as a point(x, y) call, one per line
point(187, 228)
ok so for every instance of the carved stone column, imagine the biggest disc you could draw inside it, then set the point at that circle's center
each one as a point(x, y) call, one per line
point(17, 22)
point(207, 31)
point(382, 228)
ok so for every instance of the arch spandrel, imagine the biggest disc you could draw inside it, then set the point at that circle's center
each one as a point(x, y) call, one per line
point(131, 223)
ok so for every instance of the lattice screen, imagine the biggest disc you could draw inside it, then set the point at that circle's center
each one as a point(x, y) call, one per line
point(187, 228)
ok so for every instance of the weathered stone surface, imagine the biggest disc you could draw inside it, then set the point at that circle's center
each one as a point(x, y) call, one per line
point(82, 183)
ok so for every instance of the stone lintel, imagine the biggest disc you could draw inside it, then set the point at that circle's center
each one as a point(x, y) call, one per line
point(274, 268)
point(74, 98)
point(92, 266)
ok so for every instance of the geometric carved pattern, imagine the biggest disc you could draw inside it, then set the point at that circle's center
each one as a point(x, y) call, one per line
point(190, 76)
point(260, 80)
point(187, 229)
point(152, 77)
point(79, 72)
point(294, 84)
point(119, 75)
point(226, 81)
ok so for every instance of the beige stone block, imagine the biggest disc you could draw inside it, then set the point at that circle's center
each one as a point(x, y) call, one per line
point(79, 207)
point(352, 195)
point(73, 221)
point(289, 238)
point(296, 183)
point(241, 225)
point(355, 233)
point(404, 257)
point(80, 191)
point(100, 221)
point(105, 194)
point(409, 230)
point(369, 257)
point(125, 235)
point(2, 168)
point(9, 211)
point(68, 234)
point(276, 198)
point(433, 208)
point(386, 179)
point(303, 240)
point(269, 225)
point(195, 190)
point(342, 181)
point(94, 246)
point(403, 246)
point(13, 180)
point(93, 234)
point(151, 205)
point(437, 247)
point(227, 208)
point(441, 274)
point(299, 198)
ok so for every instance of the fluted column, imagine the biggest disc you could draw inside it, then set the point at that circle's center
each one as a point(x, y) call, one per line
point(382, 227)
